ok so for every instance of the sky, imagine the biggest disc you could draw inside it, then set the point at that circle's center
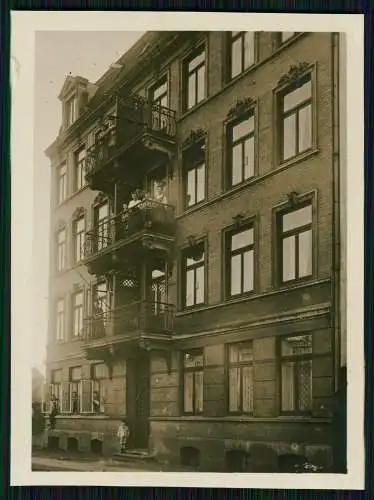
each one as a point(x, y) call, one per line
point(58, 53)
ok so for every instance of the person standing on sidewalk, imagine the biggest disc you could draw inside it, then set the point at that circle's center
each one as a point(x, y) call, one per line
point(123, 434)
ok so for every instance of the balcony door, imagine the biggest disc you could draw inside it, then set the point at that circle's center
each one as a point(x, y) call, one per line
point(100, 308)
point(101, 221)
point(138, 394)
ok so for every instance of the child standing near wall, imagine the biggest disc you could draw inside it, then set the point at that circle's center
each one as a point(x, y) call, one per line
point(123, 434)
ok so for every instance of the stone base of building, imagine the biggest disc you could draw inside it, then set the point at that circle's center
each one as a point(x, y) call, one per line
point(236, 448)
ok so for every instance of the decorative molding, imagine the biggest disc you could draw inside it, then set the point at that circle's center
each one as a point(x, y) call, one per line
point(240, 108)
point(292, 199)
point(78, 213)
point(100, 198)
point(194, 137)
point(238, 219)
point(61, 224)
point(295, 72)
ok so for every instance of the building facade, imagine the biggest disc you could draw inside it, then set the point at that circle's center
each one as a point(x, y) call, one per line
point(195, 257)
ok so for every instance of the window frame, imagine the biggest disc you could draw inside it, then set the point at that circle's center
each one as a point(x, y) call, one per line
point(239, 365)
point(248, 223)
point(59, 260)
point(101, 381)
point(230, 40)
point(194, 157)
point(278, 95)
point(282, 235)
point(229, 144)
point(193, 370)
point(70, 104)
point(63, 167)
point(72, 383)
point(297, 358)
point(82, 237)
point(277, 263)
point(202, 46)
point(74, 308)
point(60, 319)
point(80, 169)
point(185, 253)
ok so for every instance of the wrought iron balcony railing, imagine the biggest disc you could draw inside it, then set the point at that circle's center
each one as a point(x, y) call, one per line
point(142, 316)
point(148, 214)
point(136, 116)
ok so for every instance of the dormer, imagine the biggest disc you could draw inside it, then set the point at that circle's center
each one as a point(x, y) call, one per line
point(74, 97)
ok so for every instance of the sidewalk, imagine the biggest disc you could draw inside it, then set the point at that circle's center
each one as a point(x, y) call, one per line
point(90, 464)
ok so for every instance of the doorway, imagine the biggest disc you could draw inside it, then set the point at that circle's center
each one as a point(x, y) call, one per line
point(138, 394)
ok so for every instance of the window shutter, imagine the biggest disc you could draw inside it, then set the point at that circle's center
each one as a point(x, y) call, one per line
point(65, 397)
point(86, 396)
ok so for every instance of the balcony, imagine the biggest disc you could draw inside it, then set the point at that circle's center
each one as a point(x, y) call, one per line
point(141, 134)
point(142, 323)
point(141, 232)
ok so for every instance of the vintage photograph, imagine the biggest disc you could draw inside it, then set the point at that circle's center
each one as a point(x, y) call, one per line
point(195, 271)
point(189, 242)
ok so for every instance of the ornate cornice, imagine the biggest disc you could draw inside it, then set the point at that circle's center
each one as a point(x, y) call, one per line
point(240, 108)
point(295, 72)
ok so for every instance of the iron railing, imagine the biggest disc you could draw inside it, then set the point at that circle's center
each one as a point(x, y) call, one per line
point(136, 116)
point(145, 316)
point(148, 214)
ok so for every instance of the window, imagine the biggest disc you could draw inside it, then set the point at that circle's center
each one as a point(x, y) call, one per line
point(297, 118)
point(241, 146)
point(79, 228)
point(286, 35)
point(99, 377)
point(194, 276)
point(77, 302)
point(193, 381)
point(70, 111)
point(102, 226)
point(62, 183)
point(60, 319)
point(240, 372)
point(194, 174)
point(80, 169)
point(241, 261)
point(61, 249)
point(75, 389)
point(159, 103)
point(296, 244)
point(242, 54)
point(158, 290)
point(55, 387)
point(195, 78)
point(296, 374)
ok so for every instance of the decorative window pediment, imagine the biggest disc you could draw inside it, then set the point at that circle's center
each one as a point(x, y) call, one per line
point(194, 138)
point(240, 108)
point(78, 213)
point(100, 198)
point(295, 72)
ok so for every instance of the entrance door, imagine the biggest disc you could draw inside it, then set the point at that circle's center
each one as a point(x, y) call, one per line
point(138, 400)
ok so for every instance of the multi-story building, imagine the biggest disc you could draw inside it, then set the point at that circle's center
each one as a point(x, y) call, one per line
point(204, 308)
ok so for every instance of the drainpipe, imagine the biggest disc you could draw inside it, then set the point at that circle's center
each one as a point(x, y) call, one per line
point(338, 326)
point(335, 208)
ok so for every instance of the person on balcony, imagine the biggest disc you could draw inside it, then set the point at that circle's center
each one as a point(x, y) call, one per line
point(135, 215)
point(53, 412)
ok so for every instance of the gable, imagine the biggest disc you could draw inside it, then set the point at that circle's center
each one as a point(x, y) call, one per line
point(71, 83)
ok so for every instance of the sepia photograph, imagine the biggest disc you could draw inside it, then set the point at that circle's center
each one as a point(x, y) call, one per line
point(189, 251)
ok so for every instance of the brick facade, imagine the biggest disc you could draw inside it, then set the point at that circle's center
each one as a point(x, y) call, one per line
point(269, 312)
